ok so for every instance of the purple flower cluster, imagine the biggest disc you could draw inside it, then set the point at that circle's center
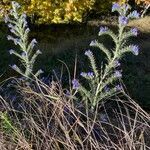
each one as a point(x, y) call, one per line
point(134, 31)
point(123, 20)
point(135, 49)
point(118, 87)
point(88, 53)
point(89, 74)
point(134, 14)
point(115, 7)
point(118, 74)
point(75, 84)
point(103, 29)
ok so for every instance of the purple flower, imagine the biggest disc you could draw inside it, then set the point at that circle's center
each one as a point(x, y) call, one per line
point(116, 63)
point(90, 74)
point(67, 93)
point(115, 7)
point(103, 29)
point(117, 74)
point(118, 87)
point(134, 31)
point(135, 49)
point(134, 14)
point(11, 51)
point(123, 20)
point(88, 53)
point(75, 84)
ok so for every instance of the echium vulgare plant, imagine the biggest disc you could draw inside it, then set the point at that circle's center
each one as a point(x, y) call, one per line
point(104, 82)
point(27, 55)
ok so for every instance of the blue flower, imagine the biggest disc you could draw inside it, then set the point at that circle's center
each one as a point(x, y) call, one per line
point(103, 29)
point(88, 53)
point(135, 49)
point(75, 84)
point(115, 7)
point(134, 31)
point(134, 14)
point(123, 20)
point(117, 74)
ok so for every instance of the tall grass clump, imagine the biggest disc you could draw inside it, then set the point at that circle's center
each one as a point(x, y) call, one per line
point(45, 117)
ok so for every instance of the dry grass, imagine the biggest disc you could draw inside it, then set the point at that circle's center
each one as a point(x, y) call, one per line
point(143, 24)
point(47, 119)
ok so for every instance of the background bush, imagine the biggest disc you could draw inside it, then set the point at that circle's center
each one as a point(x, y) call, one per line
point(58, 11)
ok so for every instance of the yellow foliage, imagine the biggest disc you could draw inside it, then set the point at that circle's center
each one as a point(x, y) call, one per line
point(136, 1)
point(58, 11)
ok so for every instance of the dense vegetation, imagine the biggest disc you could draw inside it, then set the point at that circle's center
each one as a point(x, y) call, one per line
point(90, 107)
point(59, 11)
